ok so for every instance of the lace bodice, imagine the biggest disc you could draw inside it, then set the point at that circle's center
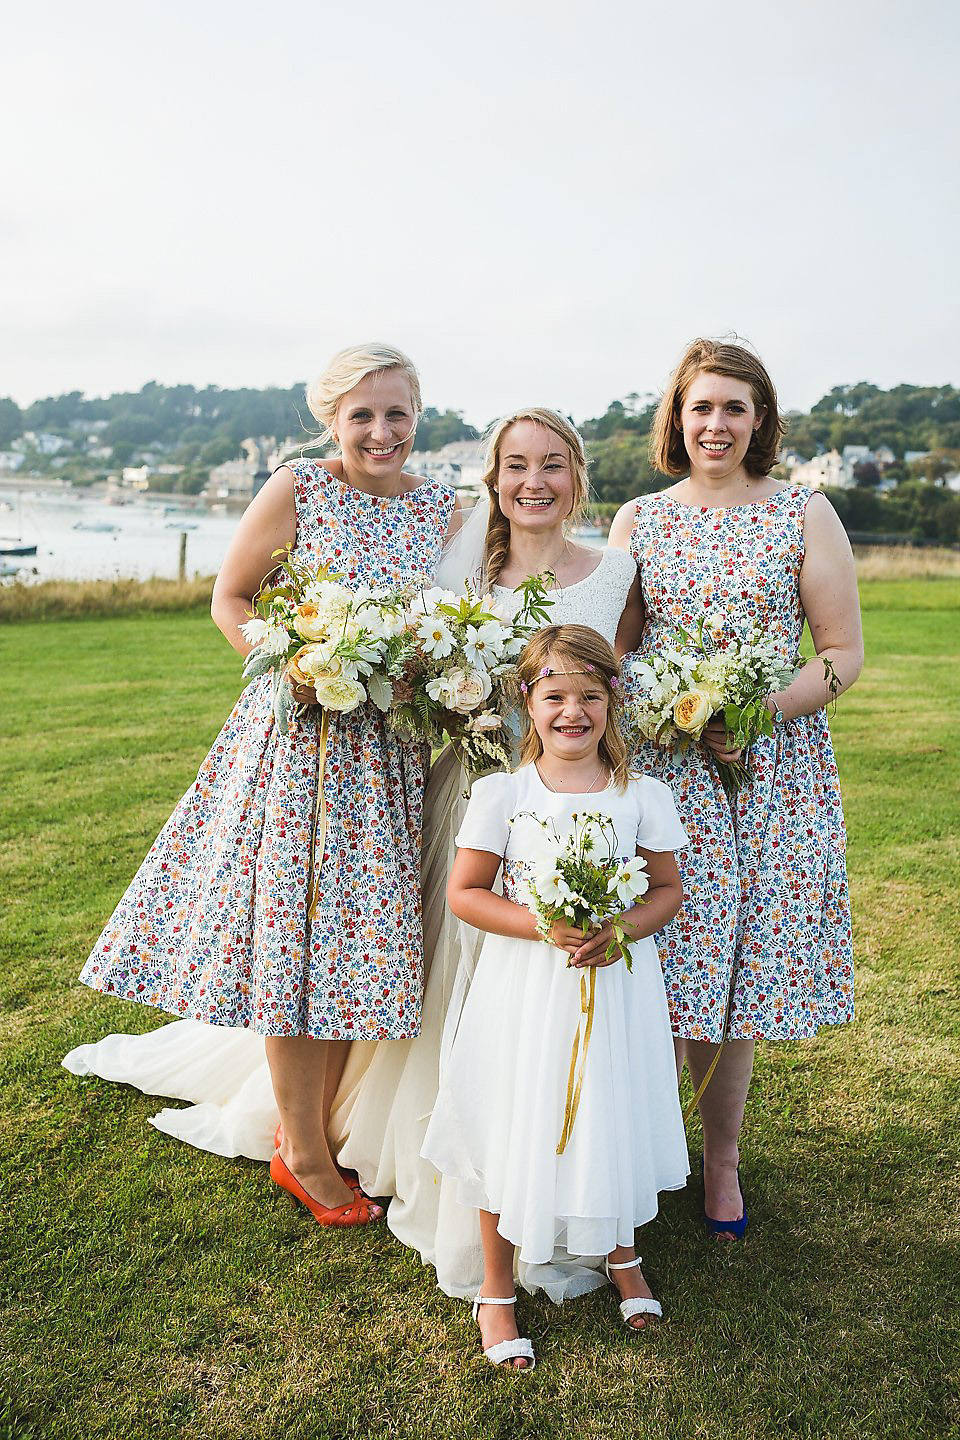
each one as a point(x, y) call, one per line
point(597, 600)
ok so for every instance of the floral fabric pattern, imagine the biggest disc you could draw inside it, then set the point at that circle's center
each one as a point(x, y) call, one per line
point(765, 884)
point(214, 926)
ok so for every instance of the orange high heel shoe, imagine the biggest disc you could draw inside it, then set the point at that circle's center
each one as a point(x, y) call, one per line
point(350, 1177)
point(358, 1212)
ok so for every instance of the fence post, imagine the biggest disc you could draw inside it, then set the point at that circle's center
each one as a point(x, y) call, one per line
point(183, 556)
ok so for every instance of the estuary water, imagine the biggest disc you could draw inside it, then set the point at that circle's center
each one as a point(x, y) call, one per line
point(142, 541)
point(80, 536)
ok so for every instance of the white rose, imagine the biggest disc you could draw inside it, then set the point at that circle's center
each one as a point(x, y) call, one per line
point(318, 661)
point(340, 694)
point(486, 720)
point(468, 689)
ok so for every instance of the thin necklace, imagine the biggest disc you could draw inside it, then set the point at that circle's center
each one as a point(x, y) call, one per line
point(560, 792)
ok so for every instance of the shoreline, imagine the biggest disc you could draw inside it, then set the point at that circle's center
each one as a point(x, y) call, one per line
point(53, 599)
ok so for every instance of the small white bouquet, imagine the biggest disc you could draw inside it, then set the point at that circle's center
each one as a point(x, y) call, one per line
point(706, 674)
point(308, 629)
point(582, 880)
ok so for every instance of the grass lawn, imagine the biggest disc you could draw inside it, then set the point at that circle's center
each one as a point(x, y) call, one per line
point(151, 1290)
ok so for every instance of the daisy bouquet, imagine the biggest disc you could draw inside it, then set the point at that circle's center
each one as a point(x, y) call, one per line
point(582, 881)
point(709, 673)
point(450, 678)
point(310, 630)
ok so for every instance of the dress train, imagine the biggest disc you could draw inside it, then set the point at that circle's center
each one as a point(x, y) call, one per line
point(385, 1098)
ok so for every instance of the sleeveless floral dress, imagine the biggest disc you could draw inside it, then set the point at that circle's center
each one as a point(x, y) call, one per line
point(214, 925)
point(765, 884)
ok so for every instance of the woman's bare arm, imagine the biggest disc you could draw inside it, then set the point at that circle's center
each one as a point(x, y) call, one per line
point(622, 527)
point(828, 594)
point(268, 523)
point(632, 621)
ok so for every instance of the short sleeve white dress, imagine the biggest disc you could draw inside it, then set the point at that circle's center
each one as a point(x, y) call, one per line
point(503, 1084)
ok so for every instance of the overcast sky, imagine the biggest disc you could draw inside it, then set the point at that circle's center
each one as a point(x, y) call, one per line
point(540, 202)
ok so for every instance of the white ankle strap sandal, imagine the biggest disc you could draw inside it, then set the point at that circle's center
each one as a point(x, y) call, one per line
point(519, 1349)
point(641, 1305)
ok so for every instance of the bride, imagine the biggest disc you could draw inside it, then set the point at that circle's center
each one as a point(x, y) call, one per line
point(536, 479)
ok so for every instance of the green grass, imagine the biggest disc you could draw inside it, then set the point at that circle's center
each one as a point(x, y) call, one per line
point(151, 1290)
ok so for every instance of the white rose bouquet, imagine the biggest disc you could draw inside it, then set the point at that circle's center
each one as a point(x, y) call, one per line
point(583, 881)
point(310, 630)
point(706, 674)
point(450, 676)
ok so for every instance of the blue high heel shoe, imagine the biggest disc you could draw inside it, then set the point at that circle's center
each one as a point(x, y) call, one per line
point(736, 1228)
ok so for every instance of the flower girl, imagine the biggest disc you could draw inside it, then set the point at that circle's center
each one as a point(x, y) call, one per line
point(558, 1115)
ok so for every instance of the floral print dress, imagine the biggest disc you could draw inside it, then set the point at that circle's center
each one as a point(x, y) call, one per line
point(765, 882)
point(214, 926)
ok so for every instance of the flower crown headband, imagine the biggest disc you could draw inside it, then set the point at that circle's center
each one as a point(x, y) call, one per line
point(547, 670)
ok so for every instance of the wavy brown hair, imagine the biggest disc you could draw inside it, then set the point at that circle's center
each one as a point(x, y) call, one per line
point(498, 526)
point(585, 655)
point(717, 357)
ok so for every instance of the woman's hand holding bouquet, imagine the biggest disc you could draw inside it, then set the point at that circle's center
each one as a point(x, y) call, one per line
point(578, 892)
point(706, 679)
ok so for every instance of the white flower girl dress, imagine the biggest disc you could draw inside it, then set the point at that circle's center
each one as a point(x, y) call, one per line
point(506, 1056)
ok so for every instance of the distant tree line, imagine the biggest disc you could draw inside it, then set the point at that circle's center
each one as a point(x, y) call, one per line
point(197, 429)
point(178, 424)
point(908, 499)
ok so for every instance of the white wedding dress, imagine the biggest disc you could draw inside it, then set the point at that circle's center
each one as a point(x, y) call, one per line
point(388, 1089)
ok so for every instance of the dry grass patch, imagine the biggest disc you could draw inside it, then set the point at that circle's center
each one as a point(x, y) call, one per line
point(906, 562)
point(81, 599)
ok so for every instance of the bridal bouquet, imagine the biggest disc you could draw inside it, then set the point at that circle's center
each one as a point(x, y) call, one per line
point(583, 880)
point(708, 673)
point(450, 677)
point(308, 629)
point(436, 663)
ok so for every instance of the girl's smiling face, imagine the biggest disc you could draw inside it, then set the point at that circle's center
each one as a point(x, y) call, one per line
point(569, 712)
point(535, 482)
point(718, 418)
point(375, 425)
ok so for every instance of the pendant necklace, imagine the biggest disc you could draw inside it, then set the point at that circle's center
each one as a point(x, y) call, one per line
point(561, 792)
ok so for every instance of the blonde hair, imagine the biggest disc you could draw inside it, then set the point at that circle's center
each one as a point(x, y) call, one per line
point(498, 526)
point(589, 653)
point(717, 357)
point(347, 368)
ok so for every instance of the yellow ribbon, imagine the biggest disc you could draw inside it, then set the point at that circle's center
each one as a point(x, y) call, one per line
point(692, 1105)
point(588, 990)
point(319, 838)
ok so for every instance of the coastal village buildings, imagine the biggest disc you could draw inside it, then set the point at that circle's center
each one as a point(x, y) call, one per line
point(237, 481)
point(837, 470)
point(459, 464)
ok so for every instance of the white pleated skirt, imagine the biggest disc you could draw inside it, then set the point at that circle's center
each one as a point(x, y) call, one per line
point(503, 1091)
